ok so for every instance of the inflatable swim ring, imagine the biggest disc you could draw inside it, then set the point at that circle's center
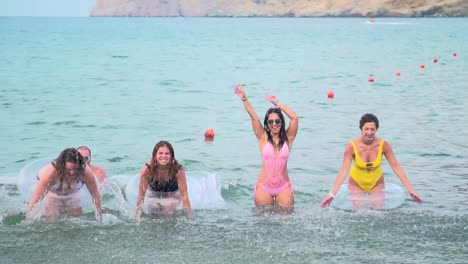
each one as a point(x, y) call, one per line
point(204, 190)
point(27, 181)
point(391, 197)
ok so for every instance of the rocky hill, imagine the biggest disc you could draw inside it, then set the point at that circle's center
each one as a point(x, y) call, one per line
point(282, 8)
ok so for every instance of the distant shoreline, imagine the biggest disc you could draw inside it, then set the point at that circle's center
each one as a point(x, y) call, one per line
point(288, 16)
point(435, 17)
point(280, 8)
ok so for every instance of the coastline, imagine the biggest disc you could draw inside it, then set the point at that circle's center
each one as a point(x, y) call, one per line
point(276, 8)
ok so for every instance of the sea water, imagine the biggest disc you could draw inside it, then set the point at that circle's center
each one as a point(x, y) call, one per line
point(119, 85)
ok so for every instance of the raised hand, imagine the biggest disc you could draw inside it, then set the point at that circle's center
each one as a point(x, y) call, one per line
point(240, 92)
point(272, 99)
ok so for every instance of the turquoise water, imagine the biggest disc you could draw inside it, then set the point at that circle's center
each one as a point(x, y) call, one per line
point(119, 85)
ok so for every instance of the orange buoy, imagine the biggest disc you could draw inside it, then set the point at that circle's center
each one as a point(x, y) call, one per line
point(209, 134)
point(435, 60)
point(371, 79)
point(397, 73)
point(331, 94)
point(421, 66)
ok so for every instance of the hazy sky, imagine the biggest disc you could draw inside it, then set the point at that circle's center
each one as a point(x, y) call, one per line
point(46, 7)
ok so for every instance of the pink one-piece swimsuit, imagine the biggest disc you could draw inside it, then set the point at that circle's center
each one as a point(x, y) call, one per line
point(274, 181)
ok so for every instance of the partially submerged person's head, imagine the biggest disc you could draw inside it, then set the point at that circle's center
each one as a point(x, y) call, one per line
point(86, 153)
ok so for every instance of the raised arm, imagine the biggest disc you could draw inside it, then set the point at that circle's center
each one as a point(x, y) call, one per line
point(45, 176)
point(340, 177)
point(182, 183)
point(91, 184)
point(256, 123)
point(388, 152)
point(293, 127)
point(142, 186)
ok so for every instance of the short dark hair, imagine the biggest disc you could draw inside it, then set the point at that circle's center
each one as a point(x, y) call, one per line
point(368, 118)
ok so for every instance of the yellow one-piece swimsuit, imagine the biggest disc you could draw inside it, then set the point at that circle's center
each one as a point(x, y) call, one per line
point(366, 174)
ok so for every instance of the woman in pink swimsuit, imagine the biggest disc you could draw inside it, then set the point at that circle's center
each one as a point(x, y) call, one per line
point(273, 185)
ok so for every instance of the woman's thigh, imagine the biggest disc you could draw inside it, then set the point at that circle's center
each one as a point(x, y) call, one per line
point(286, 198)
point(52, 205)
point(261, 197)
point(377, 196)
point(357, 196)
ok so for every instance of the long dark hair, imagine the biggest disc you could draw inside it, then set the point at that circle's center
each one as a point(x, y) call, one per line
point(73, 156)
point(174, 166)
point(283, 137)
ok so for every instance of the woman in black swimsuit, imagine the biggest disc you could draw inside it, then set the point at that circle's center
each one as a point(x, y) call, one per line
point(163, 183)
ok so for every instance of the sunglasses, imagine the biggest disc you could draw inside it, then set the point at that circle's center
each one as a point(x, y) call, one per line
point(86, 158)
point(276, 121)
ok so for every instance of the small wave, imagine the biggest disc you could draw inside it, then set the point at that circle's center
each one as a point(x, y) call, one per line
point(170, 83)
point(189, 163)
point(83, 126)
point(7, 181)
point(115, 159)
point(12, 218)
point(36, 123)
point(110, 127)
point(64, 123)
point(435, 155)
point(383, 84)
point(234, 190)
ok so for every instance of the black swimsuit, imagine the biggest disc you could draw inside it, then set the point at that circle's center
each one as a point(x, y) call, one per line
point(169, 186)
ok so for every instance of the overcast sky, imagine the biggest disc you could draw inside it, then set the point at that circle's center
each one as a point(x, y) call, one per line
point(72, 8)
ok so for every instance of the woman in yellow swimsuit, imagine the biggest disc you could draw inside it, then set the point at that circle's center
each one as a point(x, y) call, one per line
point(366, 174)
